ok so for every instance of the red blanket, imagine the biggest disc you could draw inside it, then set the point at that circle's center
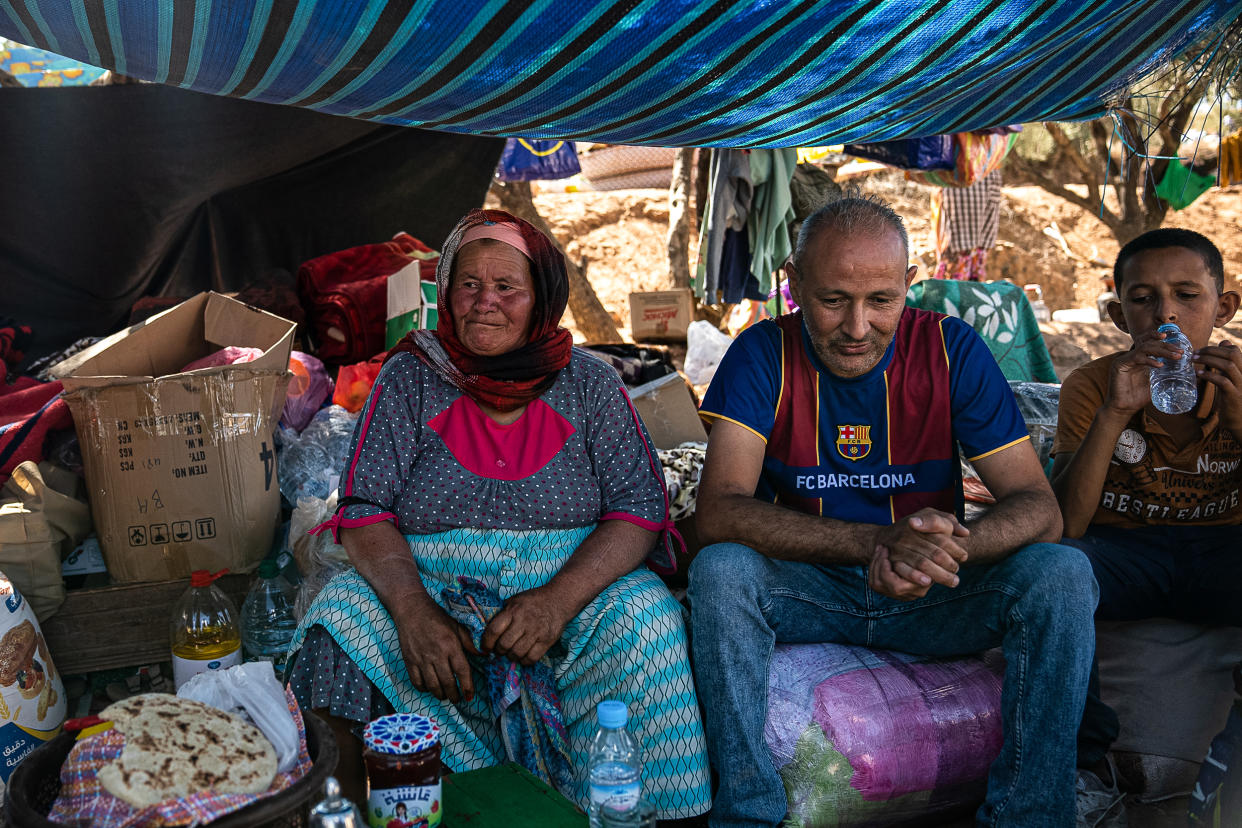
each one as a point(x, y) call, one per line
point(29, 409)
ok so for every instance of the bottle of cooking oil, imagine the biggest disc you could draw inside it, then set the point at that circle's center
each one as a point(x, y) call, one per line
point(205, 632)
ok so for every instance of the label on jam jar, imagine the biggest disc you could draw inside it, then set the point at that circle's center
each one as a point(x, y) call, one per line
point(402, 756)
point(410, 806)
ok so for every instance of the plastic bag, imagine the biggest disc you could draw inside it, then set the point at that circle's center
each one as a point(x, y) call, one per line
point(252, 692)
point(311, 463)
point(32, 697)
point(40, 522)
point(353, 384)
point(319, 557)
point(309, 387)
point(1037, 401)
point(876, 738)
point(705, 347)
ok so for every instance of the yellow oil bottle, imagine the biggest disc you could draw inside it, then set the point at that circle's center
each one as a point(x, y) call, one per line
point(205, 631)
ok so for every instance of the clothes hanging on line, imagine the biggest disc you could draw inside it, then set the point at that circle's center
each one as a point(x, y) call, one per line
point(1230, 160)
point(744, 235)
point(771, 212)
point(729, 197)
point(966, 219)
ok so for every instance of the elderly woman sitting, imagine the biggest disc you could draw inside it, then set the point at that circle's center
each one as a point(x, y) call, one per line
point(492, 449)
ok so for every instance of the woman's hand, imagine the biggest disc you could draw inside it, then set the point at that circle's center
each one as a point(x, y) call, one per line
point(528, 624)
point(434, 647)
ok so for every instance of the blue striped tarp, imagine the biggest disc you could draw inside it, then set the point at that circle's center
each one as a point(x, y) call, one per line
point(659, 72)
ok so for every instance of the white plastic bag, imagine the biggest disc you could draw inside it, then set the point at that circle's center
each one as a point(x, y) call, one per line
point(319, 557)
point(705, 346)
point(251, 691)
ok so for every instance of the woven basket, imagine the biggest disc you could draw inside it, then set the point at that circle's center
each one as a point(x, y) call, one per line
point(35, 784)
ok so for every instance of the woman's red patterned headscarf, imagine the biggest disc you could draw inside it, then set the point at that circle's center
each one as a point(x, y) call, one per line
point(508, 381)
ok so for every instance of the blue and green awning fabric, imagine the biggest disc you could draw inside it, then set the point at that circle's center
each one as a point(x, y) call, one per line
point(657, 72)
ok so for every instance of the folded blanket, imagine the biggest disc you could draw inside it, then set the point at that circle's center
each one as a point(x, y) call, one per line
point(28, 411)
point(1001, 314)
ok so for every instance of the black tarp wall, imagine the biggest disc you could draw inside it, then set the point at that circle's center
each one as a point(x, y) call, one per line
point(112, 193)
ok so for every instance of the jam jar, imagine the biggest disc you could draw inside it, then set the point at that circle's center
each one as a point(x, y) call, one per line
point(402, 756)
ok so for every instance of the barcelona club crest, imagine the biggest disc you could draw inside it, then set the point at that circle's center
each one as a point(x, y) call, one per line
point(853, 441)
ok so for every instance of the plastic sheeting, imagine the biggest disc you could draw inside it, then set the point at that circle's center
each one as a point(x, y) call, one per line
point(692, 73)
point(876, 738)
point(118, 192)
point(1038, 401)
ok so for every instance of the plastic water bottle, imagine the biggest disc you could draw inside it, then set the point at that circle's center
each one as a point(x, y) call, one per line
point(614, 765)
point(1174, 387)
point(267, 618)
point(204, 629)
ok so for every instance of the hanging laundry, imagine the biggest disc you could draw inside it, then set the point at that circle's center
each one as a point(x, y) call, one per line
point(728, 205)
point(736, 281)
point(1230, 163)
point(975, 154)
point(771, 212)
point(537, 160)
point(966, 220)
point(1181, 185)
point(933, 152)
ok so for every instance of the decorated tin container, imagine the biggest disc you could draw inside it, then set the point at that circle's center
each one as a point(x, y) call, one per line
point(402, 756)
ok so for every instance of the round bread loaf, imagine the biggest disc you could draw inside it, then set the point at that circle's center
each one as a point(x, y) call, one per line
point(176, 747)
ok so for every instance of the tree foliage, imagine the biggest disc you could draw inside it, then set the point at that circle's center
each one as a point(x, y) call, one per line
point(1129, 151)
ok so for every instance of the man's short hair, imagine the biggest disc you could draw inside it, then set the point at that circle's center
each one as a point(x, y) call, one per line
point(1172, 237)
point(852, 213)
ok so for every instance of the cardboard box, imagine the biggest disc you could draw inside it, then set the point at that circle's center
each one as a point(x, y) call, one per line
point(661, 314)
point(181, 467)
point(668, 411)
point(412, 299)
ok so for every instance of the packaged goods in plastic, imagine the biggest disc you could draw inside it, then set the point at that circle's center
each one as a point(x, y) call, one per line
point(32, 698)
point(353, 383)
point(705, 347)
point(311, 463)
point(877, 738)
point(1038, 403)
point(309, 386)
point(319, 556)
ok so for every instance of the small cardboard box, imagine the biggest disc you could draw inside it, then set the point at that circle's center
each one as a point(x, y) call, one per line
point(661, 314)
point(181, 466)
point(668, 411)
point(412, 299)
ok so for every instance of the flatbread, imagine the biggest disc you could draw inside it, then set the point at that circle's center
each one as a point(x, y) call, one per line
point(177, 747)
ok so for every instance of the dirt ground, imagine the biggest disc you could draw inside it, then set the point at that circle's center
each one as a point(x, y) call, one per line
point(620, 238)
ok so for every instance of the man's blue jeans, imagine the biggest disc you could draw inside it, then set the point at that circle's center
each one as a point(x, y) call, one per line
point(1037, 604)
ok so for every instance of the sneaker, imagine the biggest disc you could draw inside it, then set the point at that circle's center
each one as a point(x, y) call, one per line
point(1100, 805)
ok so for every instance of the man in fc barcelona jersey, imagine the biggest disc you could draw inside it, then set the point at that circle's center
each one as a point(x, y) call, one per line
point(831, 497)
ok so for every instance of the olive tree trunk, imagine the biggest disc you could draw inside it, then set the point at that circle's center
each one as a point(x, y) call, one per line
point(589, 314)
point(679, 218)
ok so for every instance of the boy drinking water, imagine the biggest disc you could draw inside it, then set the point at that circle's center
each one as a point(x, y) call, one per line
point(1153, 498)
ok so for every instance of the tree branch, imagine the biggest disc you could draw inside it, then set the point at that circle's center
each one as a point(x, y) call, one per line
point(1029, 172)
